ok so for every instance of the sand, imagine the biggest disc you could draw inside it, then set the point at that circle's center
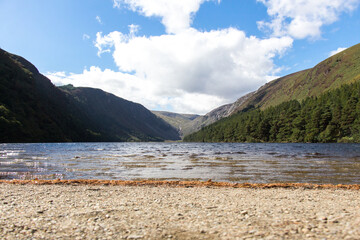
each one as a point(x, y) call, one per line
point(77, 210)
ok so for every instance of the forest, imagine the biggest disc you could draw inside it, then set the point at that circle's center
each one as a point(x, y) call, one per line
point(332, 117)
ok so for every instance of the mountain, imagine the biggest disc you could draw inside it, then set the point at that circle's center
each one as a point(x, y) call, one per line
point(116, 116)
point(314, 105)
point(332, 73)
point(189, 123)
point(182, 122)
point(32, 109)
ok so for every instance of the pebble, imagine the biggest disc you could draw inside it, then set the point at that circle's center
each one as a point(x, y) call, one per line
point(199, 213)
point(135, 237)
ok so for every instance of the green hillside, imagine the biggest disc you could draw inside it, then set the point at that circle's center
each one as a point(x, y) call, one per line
point(342, 68)
point(321, 104)
point(32, 109)
point(332, 117)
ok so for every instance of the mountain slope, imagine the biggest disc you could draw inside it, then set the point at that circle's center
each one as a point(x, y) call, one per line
point(32, 109)
point(189, 123)
point(342, 68)
point(182, 122)
point(112, 114)
point(333, 116)
point(328, 76)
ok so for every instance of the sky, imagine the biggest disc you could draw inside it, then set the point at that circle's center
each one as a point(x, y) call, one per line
point(185, 56)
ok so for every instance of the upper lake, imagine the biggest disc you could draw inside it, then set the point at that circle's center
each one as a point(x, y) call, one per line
point(231, 162)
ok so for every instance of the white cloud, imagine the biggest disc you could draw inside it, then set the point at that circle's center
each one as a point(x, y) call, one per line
point(98, 19)
point(303, 18)
point(121, 84)
point(340, 49)
point(176, 15)
point(106, 41)
point(57, 77)
point(138, 90)
point(189, 72)
point(133, 29)
point(221, 65)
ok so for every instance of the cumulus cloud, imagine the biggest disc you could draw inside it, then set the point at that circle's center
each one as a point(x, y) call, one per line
point(121, 84)
point(223, 63)
point(340, 49)
point(189, 72)
point(303, 18)
point(136, 89)
point(175, 15)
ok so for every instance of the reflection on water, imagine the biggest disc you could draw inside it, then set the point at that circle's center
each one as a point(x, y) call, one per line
point(234, 162)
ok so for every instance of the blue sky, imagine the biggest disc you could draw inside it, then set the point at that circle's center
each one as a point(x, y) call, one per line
point(185, 56)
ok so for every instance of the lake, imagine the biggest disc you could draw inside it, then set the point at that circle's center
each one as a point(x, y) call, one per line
point(230, 162)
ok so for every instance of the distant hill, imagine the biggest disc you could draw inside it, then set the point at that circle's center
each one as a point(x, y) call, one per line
point(277, 106)
point(332, 73)
point(32, 109)
point(182, 122)
point(189, 123)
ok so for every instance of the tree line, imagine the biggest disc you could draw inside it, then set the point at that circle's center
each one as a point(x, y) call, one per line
point(332, 117)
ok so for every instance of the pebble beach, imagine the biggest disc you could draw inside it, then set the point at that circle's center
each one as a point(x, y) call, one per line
point(98, 211)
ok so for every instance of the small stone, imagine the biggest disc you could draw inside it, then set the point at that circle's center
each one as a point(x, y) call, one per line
point(305, 230)
point(134, 237)
point(212, 207)
point(324, 219)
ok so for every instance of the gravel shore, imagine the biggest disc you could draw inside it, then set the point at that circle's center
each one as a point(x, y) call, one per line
point(150, 212)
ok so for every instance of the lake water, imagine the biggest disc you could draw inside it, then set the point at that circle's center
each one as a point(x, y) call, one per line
point(231, 162)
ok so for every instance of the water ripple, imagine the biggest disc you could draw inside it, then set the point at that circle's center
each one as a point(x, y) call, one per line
point(234, 162)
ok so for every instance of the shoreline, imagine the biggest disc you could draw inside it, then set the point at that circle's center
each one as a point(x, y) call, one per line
point(186, 184)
